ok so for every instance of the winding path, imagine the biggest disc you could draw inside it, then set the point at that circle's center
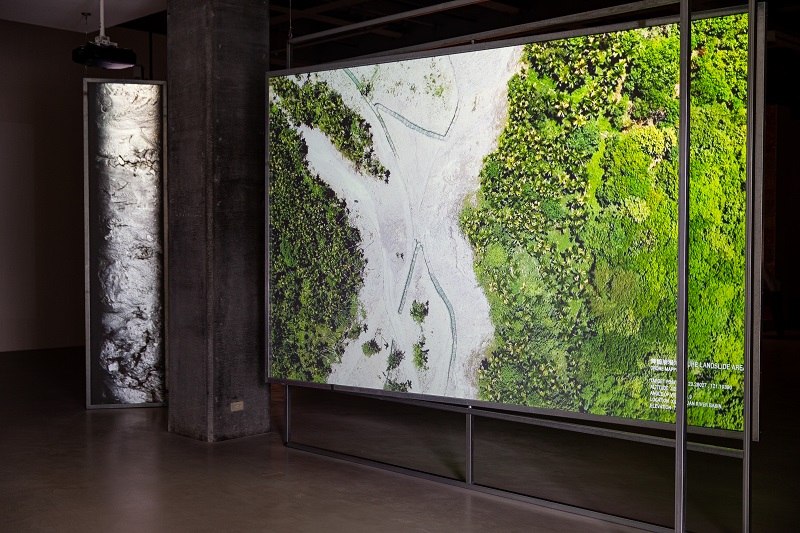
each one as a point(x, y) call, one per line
point(417, 127)
point(417, 247)
point(450, 310)
point(379, 108)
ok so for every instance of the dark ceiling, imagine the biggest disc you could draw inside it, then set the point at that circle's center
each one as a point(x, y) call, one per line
point(309, 16)
point(155, 23)
point(447, 21)
point(312, 16)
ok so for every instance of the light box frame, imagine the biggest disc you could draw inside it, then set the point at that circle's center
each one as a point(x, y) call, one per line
point(753, 244)
point(88, 251)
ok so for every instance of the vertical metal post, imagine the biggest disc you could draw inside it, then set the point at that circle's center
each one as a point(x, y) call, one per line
point(287, 423)
point(288, 54)
point(87, 317)
point(683, 266)
point(754, 72)
point(470, 453)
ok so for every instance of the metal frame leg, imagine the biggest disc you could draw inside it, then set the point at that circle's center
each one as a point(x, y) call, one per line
point(470, 453)
point(287, 433)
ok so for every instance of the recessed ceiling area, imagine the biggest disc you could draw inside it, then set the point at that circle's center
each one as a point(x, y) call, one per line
point(66, 14)
point(445, 20)
point(304, 17)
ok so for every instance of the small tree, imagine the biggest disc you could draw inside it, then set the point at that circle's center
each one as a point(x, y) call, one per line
point(395, 358)
point(371, 347)
point(420, 355)
point(397, 386)
point(419, 311)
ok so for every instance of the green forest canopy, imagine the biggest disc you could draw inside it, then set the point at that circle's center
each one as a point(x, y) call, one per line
point(316, 264)
point(574, 225)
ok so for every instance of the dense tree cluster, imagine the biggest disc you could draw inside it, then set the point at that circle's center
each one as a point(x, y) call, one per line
point(574, 226)
point(370, 347)
point(316, 263)
point(316, 105)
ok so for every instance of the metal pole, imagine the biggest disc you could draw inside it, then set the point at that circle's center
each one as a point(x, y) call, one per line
point(754, 71)
point(470, 451)
point(102, 18)
point(287, 425)
point(288, 54)
point(756, 234)
point(87, 277)
point(683, 267)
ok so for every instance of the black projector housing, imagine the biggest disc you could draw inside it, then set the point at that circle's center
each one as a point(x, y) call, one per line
point(108, 57)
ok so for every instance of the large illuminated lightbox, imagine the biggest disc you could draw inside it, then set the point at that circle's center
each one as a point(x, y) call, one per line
point(123, 194)
point(498, 225)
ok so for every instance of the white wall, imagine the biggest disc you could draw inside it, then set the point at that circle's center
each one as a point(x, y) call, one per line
point(41, 181)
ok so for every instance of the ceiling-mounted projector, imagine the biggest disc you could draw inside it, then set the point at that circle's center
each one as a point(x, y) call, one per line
point(104, 56)
point(102, 53)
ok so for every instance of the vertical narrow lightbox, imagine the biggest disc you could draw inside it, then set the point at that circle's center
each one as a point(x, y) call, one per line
point(124, 168)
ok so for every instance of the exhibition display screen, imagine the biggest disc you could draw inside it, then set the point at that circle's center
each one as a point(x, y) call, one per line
point(499, 225)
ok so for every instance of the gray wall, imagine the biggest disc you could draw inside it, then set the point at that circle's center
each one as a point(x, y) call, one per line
point(41, 181)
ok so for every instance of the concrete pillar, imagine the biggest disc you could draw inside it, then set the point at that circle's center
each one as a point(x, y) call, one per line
point(217, 56)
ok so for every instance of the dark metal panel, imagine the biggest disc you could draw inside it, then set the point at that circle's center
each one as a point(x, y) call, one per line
point(481, 411)
point(645, 526)
point(439, 401)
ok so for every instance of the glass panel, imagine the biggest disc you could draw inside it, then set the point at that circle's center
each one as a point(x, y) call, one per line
point(412, 437)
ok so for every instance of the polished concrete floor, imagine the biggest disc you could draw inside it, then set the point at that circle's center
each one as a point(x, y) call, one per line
point(66, 469)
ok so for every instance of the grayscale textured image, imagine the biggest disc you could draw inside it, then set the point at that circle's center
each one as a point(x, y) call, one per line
point(127, 248)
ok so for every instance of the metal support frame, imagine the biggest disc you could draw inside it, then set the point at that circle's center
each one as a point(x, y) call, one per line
point(287, 428)
point(756, 45)
point(471, 413)
point(683, 266)
point(470, 456)
point(405, 15)
point(468, 482)
point(630, 436)
point(746, 433)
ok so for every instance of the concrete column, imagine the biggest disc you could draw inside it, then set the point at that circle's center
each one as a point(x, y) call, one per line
point(217, 56)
